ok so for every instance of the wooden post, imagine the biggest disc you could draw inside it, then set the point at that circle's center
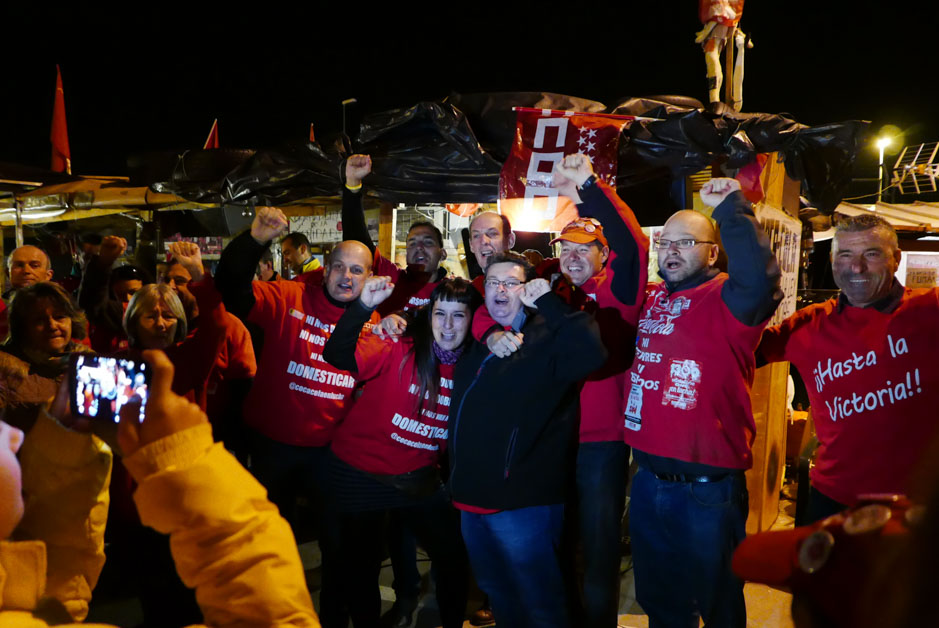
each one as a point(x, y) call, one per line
point(385, 229)
point(770, 385)
point(3, 273)
point(19, 223)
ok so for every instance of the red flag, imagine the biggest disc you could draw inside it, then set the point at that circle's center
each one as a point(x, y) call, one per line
point(212, 140)
point(463, 209)
point(61, 155)
point(544, 137)
point(749, 177)
point(312, 135)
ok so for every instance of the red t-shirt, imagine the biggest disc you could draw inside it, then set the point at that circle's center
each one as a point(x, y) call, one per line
point(687, 392)
point(412, 289)
point(873, 387)
point(384, 431)
point(297, 398)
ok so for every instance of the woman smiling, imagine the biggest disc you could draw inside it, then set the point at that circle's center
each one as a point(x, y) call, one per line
point(45, 324)
point(386, 452)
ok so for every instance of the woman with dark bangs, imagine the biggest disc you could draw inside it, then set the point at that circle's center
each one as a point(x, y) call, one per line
point(385, 455)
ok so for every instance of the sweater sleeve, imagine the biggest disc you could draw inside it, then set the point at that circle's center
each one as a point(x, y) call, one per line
point(340, 347)
point(577, 347)
point(752, 291)
point(94, 297)
point(483, 324)
point(66, 476)
point(353, 219)
point(235, 273)
point(196, 355)
point(629, 261)
point(228, 541)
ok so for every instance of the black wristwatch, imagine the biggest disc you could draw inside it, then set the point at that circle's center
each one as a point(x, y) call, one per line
point(588, 183)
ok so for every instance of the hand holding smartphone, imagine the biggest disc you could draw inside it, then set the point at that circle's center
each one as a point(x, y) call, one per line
point(101, 385)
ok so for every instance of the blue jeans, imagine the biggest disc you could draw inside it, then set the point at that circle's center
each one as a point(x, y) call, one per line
point(602, 470)
point(821, 506)
point(683, 537)
point(514, 555)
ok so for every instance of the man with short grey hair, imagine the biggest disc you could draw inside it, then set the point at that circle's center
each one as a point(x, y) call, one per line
point(26, 265)
point(868, 361)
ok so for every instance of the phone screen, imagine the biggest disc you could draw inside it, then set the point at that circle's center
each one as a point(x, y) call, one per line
point(101, 385)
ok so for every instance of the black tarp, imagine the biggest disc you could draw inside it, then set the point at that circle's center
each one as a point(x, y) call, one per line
point(452, 151)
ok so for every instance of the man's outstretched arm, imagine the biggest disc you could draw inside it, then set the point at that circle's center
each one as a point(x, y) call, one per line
point(353, 215)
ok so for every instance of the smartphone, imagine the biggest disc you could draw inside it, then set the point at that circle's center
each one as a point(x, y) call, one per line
point(101, 384)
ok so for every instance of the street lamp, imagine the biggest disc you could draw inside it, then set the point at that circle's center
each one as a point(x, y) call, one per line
point(881, 143)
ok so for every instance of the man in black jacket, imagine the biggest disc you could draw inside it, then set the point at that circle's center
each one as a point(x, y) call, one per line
point(513, 423)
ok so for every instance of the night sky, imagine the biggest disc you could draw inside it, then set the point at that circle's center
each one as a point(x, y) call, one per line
point(154, 79)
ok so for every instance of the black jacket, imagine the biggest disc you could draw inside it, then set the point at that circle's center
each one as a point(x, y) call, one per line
point(513, 421)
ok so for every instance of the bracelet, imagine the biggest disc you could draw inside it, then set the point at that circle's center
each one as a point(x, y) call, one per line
point(354, 188)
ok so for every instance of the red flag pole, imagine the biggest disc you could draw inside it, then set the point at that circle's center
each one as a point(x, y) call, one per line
point(61, 155)
point(558, 112)
point(212, 140)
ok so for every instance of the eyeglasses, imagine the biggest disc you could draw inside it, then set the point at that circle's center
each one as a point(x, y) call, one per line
point(508, 284)
point(662, 244)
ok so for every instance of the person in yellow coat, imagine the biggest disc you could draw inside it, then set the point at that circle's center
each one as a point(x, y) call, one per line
point(228, 540)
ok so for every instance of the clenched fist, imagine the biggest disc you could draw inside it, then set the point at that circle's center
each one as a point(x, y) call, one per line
point(268, 223)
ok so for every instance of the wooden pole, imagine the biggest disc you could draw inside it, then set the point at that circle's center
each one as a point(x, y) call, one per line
point(19, 223)
point(729, 66)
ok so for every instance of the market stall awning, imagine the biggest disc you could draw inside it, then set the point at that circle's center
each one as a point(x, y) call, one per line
point(915, 216)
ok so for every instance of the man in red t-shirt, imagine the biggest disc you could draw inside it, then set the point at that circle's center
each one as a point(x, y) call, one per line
point(424, 246)
point(687, 407)
point(867, 361)
point(297, 398)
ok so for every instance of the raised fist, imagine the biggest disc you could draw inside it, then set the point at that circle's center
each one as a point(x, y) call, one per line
point(533, 290)
point(268, 223)
point(112, 247)
point(357, 168)
point(189, 255)
point(576, 167)
point(376, 290)
point(715, 191)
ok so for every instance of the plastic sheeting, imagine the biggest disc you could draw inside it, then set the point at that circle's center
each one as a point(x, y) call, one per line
point(452, 151)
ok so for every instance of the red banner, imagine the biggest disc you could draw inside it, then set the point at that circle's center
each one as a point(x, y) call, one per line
point(542, 138)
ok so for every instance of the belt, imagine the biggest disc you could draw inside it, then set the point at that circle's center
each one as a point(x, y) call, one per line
point(682, 477)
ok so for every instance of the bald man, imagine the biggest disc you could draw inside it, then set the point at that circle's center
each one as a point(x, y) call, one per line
point(688, 417)
point(297, 398)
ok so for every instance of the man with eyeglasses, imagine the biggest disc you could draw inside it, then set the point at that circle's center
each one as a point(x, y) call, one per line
point(687, 411)
point(512, 424)
point(582, 276)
